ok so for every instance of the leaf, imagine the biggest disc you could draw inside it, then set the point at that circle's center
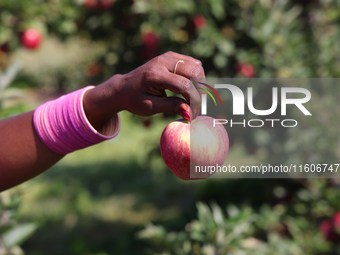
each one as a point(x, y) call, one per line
point(9, 75)
point(68, 27)
point(19, 234)
point(233, 211)
point(218, 214)
point(218, 9)
point(4, 227)
point(152, 232)
point(226, 47)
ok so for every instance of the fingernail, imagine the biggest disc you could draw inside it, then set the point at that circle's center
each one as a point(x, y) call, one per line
point(185, 115)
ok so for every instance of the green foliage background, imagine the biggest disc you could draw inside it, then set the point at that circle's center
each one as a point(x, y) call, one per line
point(118, 197)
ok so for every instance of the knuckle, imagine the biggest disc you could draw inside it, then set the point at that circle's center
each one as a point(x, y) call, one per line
point(169, 52)
point(195, 96)
point(156, 60)
point(185, 86)
point(197, 72)
point(147, 106)
point(198, 62)
point(201, 72)
point(150, 73)
point(195, 61)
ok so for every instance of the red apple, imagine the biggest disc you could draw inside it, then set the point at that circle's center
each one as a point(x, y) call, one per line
point(91, 4)
point(105, 4)
point(150, 45)
point(325, 228)
point(31, 38)
point(209, 146)
point(336, 222)
point(327, 231)
point(150, 40)
point(246, 69)
point(199, 21)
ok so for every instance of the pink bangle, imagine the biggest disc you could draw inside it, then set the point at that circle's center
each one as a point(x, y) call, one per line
point(63, 126)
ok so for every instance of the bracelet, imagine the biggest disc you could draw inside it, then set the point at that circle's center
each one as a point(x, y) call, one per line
point(63, 126)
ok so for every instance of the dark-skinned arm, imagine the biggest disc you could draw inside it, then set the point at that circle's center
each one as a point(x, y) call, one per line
point(142, 91)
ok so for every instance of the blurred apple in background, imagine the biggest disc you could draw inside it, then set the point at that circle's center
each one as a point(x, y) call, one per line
point(330, 228)
point(105, 4)
point(199, 21)
point(209, 146)
point(246, 69)
point(336, 222)
point(31, 38)
point(150, 45)
point(90, 4)
point(327, 231)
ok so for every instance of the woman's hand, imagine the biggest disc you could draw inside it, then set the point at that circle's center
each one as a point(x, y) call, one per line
point(144, 88)
point(142, 91)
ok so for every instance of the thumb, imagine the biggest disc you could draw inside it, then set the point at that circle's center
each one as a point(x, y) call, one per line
point(173, 105)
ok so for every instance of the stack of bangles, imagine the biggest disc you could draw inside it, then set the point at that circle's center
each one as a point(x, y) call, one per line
point(63, 126)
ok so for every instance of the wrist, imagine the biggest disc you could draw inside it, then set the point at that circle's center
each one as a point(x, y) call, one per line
point(64, 127)
point(103, 102)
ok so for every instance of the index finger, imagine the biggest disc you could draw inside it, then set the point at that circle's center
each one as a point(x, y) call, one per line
point(182, 85)
point(176, 56)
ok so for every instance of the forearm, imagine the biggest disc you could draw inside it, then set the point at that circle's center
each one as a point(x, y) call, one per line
point(32, 142)
point(22, 153)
